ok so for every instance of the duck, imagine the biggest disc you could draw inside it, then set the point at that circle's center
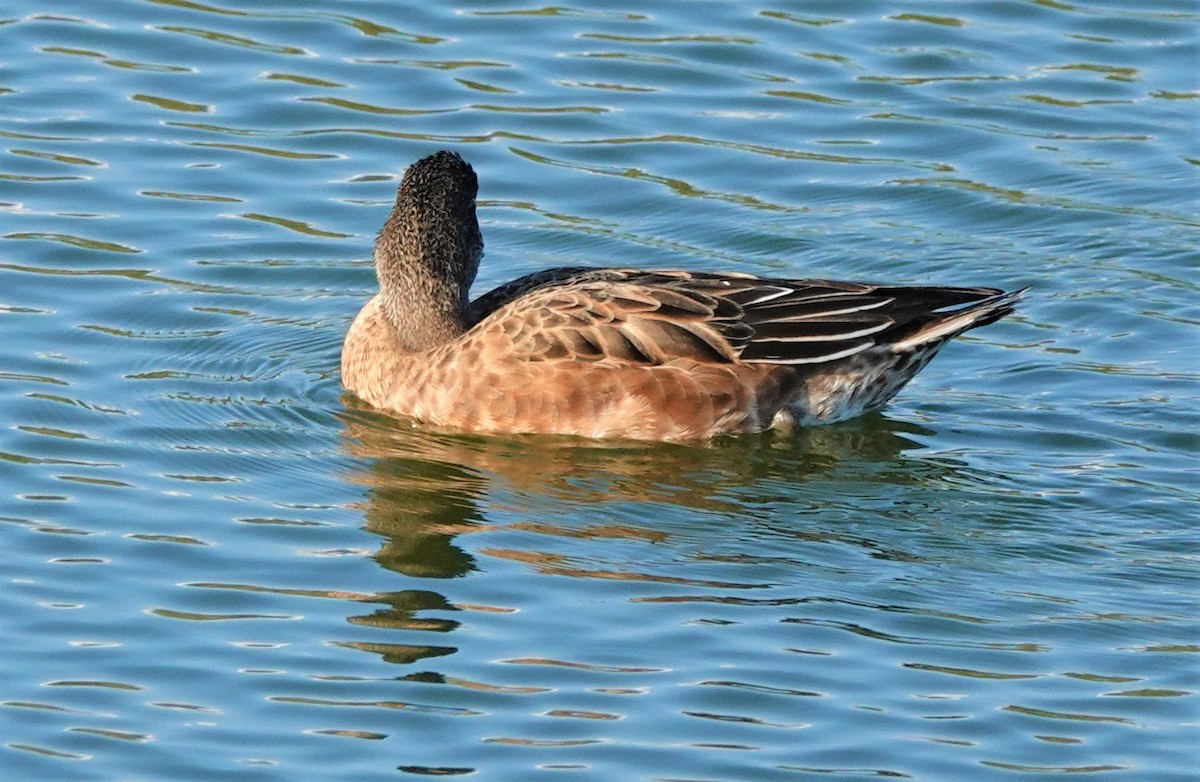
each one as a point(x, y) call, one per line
point(662, 354)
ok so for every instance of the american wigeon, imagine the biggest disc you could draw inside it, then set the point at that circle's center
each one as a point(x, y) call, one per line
point(656, 355)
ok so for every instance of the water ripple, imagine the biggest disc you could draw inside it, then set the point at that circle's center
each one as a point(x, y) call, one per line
point(993, 577)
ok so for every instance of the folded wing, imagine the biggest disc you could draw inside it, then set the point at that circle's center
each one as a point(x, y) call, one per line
point(652, 318)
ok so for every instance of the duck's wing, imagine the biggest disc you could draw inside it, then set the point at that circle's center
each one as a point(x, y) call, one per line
point(497, 297)
point(650, 318)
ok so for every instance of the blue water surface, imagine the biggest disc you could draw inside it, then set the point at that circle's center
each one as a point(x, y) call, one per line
point(214, 564)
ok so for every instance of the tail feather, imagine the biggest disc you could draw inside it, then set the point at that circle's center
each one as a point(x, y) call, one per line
point(945, 325)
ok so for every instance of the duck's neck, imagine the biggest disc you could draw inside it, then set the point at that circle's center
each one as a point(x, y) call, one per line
point(424, 311)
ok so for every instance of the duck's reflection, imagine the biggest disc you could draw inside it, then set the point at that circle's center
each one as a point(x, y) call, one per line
point(417, 505)
point(400, 613)
point(426, 488)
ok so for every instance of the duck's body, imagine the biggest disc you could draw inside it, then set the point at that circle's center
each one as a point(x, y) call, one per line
point(657, 355)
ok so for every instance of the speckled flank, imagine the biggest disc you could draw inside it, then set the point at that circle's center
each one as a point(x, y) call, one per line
point(852, 387)
point(657, 355)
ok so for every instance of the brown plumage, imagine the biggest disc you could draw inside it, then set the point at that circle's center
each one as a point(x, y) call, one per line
point(659, 355)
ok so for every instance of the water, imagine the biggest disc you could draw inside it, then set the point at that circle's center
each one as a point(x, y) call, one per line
point(214, 563)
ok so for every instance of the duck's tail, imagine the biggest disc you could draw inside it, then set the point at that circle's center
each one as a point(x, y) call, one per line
point(945, 325)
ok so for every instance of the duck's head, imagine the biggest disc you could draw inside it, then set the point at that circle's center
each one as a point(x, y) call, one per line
point(428, 252)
